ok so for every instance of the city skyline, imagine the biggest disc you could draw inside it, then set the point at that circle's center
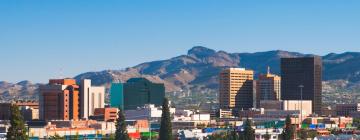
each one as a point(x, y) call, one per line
point(103, 35)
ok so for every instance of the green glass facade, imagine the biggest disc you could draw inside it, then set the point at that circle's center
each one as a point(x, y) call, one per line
point(137, 92)
point(117, 95)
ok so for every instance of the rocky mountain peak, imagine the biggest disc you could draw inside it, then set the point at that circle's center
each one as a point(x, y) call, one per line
point(24, 83)
point(200, 52)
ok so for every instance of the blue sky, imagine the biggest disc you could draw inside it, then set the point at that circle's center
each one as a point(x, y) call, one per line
point(42, 39)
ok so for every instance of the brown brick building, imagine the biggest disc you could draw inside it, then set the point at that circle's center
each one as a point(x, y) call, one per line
point(59, 100)
point(105, 114)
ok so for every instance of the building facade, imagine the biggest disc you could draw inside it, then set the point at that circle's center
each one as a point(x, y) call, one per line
point(28, 109)
point(305, 72)
point(117, 95)
point(137, 92)
point(268, 87)
point(105, 114)
point(304, 106)
point(236, 88)
point(91, 97)
point(347, 109)
point(59, 100)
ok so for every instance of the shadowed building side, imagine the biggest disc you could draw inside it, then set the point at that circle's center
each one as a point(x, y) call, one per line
point(305, 71)
point(236, 88)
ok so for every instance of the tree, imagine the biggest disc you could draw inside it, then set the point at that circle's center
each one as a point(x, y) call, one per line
point(56, 137)
point(248, 133)
point(75, 137)
point(121, 131)
point(288, 132)
point(267, 136)
point(234, 135)
point(304, 134)
point(165, 126)
point(356, 123)
point(17, 130)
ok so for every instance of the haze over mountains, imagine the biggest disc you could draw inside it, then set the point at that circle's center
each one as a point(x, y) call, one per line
point(199, 68)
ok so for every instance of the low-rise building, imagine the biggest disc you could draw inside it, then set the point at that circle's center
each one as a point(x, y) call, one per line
point(346, 109)
point(28, 109)
point(274, 134)
point(148, 111)
point(105, 114)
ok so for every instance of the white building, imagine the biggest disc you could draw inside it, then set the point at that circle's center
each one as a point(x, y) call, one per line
point(91, 97)
point(146, 112)
point(274, 134)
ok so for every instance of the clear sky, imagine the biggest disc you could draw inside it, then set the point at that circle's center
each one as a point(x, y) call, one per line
point(42, 39)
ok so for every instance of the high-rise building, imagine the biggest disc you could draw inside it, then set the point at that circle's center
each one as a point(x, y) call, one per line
point(137, 92)
point(117, 95)
point(91, 97)
point(268, 87)
point(304, 74)
point(236, 88)
point(59, 100)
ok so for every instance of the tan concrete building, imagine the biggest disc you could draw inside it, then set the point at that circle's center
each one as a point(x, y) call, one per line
point(304, 105)
point(268, 87)
point(236, 88)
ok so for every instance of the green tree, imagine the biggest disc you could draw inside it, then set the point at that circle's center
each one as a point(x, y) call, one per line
point(288, 132)
point(304, 134)
point(356, 123)
point(121, 130)
point(165, 126)
point(75, 137)
point(249, 133)
point(267, 136)
point(234, 135)
point(56, 137)
point(17, 130)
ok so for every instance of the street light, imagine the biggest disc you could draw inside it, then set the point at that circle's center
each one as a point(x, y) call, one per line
point(301, 97)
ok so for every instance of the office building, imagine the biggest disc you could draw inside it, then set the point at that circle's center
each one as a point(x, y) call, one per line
point(117, 95)
point(304, 74)
point(268, 87)
point(347, 109)
point(91, 97)
point(137, 92)
point(236, 88)
point(59, 100)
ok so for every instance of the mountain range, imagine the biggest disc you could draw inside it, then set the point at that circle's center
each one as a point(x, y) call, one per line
point(199, 68)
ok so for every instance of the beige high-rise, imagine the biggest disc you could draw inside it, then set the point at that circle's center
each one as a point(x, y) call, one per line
point(268, 87)
point(236, 88)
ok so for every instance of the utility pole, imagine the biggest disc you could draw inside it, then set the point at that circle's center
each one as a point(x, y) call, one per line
point(149, 121)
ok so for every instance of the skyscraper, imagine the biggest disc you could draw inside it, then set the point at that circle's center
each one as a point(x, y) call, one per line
point(236, 88)
point(59, 100)
point(304, 74)
point(268, 87)
point(137, 92)
point(91, 97)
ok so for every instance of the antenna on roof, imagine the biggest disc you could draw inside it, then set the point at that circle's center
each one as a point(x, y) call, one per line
point(61, 73)
point(268, 70)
